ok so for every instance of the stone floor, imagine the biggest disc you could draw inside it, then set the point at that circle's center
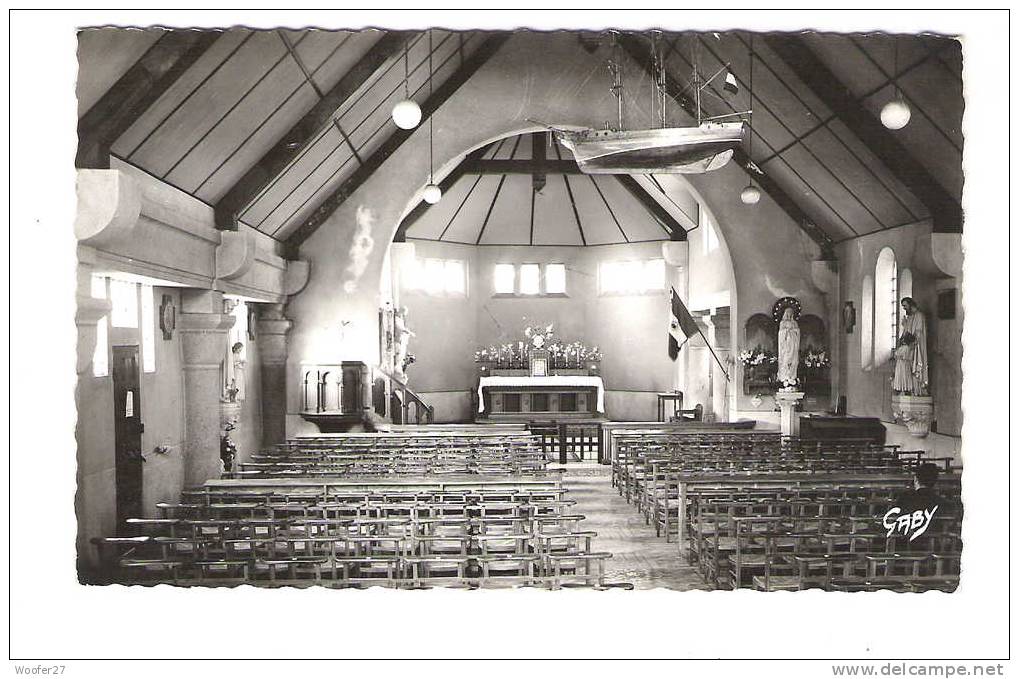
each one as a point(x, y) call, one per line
point(639, 557)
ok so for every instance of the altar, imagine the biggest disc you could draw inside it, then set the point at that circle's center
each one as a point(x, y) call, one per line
point(523, 397)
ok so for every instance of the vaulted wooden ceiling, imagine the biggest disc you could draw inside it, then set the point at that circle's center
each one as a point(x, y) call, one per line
point(275, 128)
point(527, 190)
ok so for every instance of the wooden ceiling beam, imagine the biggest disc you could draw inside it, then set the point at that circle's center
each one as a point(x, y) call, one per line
point(523, 166)
point(137, 90)
point(539, 155)
point(640, 51)
point(372, 163)
point(945, 210)
point(290, 146)
point(660, 214)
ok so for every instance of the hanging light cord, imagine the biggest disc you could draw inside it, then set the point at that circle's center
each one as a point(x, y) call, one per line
point(750, 136)
point(406, 70)
point(895, 68)
point(430, 128)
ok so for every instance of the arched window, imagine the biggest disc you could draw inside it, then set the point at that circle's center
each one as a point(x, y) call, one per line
point(867, 323)
point(905, 290)
point(886, 306)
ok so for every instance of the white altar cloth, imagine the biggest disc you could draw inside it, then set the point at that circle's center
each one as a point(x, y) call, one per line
point(548, 381)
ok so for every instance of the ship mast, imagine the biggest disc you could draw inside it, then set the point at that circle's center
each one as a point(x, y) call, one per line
point(695, 81)
point(616, 67)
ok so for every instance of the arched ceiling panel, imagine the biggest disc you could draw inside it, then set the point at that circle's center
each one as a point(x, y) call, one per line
point(554, 222)
point(468, 223)
point(432, 224)
point(637, 222)
point(510, 221)
point(596, 213)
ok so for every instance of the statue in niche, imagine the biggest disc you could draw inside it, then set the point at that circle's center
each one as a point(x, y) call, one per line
point(235, 387)
point(910, 355)
point(403, 335)
point(788, 348)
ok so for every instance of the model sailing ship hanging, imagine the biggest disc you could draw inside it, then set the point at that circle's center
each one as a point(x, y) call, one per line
point(668, 150)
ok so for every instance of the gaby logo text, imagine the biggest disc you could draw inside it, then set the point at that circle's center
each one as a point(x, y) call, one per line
point(913, 524)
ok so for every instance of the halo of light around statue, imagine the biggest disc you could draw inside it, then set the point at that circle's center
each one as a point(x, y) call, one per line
point(432, 194)
point(407, 114)
point(780, 306)
point(895, 114)
point(750, 195)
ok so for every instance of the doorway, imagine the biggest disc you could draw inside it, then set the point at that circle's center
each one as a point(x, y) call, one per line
point(128, 429)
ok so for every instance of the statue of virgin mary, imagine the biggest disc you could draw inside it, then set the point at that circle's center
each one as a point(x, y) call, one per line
point(788, 347)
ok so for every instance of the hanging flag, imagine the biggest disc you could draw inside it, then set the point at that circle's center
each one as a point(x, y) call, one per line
point(682, 326)
point(731, 84)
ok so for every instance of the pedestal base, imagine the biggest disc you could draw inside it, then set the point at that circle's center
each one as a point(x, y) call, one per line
point(916, 412)
point(787, 401)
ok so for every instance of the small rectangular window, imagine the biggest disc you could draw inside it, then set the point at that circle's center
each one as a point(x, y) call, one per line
point(709, 236)
point(454, 277)
point(654, 275)
point(413, 273)
point(530, 279)
point(631, 278)
point(148, 331)
point(555, 279)
point(124, 298)
point(434, 273)
point(609, 275)
point(504, 279)
point(101, 355)
point(436, 276)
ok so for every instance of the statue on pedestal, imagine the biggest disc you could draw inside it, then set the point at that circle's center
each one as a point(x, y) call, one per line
point(403, 335)
point(235, 375)
point(788, 349)
point(910, 378)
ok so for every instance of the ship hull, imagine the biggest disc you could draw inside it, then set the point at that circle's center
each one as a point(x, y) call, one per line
point(672, 150)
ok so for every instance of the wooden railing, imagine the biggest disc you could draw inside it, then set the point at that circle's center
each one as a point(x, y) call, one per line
point(392, 398)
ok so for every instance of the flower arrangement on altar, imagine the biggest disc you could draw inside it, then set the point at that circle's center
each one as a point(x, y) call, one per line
point(757, 356)
point(790, 385)
point(561, 354)
point(539, 336)
point(816, 358)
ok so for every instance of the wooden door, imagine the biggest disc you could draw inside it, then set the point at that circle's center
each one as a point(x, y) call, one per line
point(128, 429)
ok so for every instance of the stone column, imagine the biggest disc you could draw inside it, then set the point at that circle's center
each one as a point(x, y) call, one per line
point(204, 331)
point(790, 421)
point(720, 337)
point(272, 349)
point(89, 311)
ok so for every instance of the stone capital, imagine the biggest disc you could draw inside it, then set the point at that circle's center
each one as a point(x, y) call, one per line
point(109, 203)
point(296, 277)
point(203, 338)
point(272, 341)
point(90, 310)
point(235, 255)
point(946, 251)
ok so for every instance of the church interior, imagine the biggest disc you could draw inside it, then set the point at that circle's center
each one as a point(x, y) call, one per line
point(517, 309)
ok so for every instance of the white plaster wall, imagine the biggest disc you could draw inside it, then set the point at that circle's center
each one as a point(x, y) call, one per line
point(770, 254)
point(868, 391)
